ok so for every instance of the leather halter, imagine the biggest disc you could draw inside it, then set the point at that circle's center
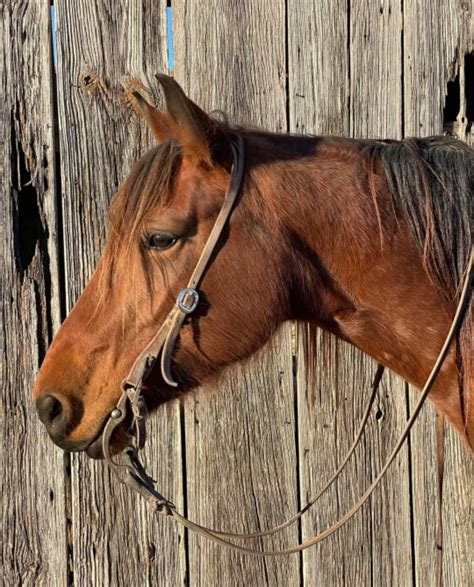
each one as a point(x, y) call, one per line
point(134, 474)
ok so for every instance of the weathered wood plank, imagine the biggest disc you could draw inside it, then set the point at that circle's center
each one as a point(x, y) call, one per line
point(376, 111)
point(431, 41)
point(248, 85)
point(241, 466)
point(458, 512)
point(436, 35)
point(376, 70)
point(357, 92)
point(240, 441)
point(326, 372)
point(332, 379)
point(318, 67)
point(101, 46)
point(32, 486)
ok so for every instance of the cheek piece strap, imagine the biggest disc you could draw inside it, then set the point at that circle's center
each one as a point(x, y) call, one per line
point(132, 473)
point(161, 347)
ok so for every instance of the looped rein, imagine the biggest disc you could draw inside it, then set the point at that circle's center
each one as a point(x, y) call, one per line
point(132, 473)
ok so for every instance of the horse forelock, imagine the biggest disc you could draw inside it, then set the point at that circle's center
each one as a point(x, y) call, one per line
point(148, 186)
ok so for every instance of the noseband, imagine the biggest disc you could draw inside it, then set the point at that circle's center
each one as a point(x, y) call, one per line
point(132, 473)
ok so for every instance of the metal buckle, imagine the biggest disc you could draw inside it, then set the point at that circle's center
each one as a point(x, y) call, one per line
point(185, 295)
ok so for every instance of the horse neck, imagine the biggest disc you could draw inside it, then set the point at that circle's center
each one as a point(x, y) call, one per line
point(310, 183)
point(357, 269)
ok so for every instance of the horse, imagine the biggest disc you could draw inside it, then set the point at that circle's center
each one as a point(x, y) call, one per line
point(366, 239)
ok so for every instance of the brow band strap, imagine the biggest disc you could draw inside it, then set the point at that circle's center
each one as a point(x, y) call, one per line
point(164, 341)
point(204, 259)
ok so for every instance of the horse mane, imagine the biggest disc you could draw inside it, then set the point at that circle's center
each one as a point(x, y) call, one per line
point(431, 184)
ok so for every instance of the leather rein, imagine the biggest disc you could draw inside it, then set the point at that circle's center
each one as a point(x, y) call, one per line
point(132, 473)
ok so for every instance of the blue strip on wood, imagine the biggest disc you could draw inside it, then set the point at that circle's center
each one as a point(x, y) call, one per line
point(53, 34)
point(169, 30)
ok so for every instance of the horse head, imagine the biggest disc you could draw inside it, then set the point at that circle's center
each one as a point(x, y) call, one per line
point(160, 220)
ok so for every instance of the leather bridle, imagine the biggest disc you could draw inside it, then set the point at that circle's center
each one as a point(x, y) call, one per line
point(132, 473)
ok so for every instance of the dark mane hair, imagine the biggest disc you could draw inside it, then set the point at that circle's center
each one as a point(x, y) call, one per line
point(431, 183)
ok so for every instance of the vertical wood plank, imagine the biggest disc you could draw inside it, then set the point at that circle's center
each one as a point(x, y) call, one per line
point(101, 47)
point(330, 376)
point(376, 111)
point(240, 440)
point(376, 69)
point(332, 379)
point(318, 67)
point(436, 36)
point(431, 37)
point(336, 90)
point(32, 487)
point(241, 466)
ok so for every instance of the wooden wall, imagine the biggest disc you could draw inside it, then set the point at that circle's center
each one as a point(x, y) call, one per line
point(248, 455)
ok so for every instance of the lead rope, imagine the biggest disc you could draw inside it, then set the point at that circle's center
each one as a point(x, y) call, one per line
point(331, 480)
point(457, 320)
point(144, 482)
point(138, 479)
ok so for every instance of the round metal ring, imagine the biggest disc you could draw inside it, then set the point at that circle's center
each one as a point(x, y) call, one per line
point(188, 300)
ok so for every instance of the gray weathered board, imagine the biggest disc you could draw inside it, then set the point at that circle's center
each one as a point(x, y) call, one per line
point(33, 487)
point(247, 453)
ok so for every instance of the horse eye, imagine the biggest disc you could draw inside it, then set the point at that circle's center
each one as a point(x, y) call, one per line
point(160, 241)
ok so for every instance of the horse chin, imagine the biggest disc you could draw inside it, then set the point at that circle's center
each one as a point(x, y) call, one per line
point(94, 450)
point(120, 441)
point(154, 398)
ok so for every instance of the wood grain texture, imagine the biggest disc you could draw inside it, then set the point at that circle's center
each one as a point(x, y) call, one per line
point(230, 56)
point(436, 36)
point(376, 111)
point(331, 383)
point(356, 64)
point(319, 101)
point(272, 430)
point(241, 468)
point(240, 440)
point(318, 67)
point(431, 41)
point(102, 47)
point(375, 44)
point(32, 486)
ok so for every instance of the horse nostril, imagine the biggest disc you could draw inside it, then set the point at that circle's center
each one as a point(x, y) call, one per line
point(48, 408)
point(53, 415)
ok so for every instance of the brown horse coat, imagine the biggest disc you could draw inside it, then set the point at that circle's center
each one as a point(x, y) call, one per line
point(366, 239)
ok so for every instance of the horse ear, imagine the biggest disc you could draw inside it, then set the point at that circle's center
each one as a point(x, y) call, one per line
point(201, 137)
point(160, 123)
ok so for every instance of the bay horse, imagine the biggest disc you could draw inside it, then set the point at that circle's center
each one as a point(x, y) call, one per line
point(367, 239)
